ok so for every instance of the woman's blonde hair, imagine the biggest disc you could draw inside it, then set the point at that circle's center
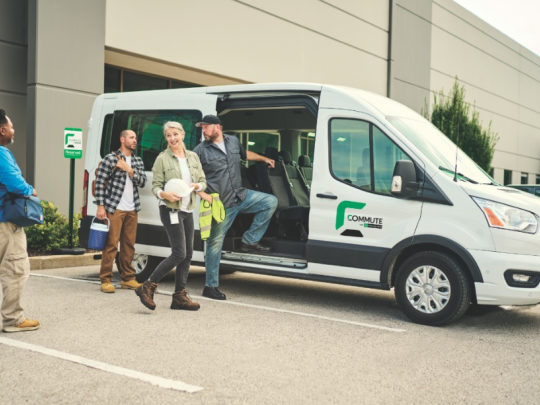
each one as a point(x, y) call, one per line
point(173, 124)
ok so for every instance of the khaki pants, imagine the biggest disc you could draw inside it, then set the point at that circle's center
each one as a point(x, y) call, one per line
point(14, 272)
point(123, 228)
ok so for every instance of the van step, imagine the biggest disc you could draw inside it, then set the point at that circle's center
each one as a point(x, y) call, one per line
point(265, 259)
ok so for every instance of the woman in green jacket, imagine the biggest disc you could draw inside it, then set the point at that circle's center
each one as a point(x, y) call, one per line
point(176, 214)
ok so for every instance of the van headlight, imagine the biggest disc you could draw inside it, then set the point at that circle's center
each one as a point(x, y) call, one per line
point(506, 217)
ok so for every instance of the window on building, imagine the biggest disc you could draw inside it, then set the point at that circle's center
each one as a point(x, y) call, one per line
point(138, 82)
point(507, 177)
point(112, 80)
point(538, 179)
point(354, 145)
point(121, 80)
point(524, 178)
point(148, 125)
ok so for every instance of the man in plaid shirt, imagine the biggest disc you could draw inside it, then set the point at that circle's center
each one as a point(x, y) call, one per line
point(119, 201)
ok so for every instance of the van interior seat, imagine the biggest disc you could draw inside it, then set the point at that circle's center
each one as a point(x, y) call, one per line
point(306, 168)
point(274, 181)
point(299, 187)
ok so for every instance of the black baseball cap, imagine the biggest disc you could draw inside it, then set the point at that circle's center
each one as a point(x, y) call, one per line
point(209, 120)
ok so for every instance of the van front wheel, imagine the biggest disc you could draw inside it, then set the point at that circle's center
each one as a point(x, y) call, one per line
point(432, 289)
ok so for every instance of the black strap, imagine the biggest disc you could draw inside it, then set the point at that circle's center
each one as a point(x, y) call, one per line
point(289, 189)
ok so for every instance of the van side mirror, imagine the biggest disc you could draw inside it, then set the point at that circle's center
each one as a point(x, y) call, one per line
point(404, 184)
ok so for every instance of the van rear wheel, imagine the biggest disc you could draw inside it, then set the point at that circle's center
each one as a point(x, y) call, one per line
point(432, 289)
point(144, 265)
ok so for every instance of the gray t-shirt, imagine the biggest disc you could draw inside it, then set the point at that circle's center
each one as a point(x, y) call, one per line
point(222, 170)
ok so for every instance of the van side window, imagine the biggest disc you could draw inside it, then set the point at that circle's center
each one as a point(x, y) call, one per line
point(361, 155)
point(148, 125)
point(106, 135)
point(350, 152)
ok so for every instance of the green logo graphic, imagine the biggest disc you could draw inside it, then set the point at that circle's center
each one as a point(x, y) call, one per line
point(340, 215)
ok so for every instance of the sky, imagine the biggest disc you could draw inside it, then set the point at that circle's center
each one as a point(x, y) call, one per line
point(518, 19)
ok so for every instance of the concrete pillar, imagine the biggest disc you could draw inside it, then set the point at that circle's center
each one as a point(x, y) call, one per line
point(13, 72)
point(66, 47)
point(410, 67)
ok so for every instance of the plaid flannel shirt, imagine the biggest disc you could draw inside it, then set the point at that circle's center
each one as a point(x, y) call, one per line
point(111, 196)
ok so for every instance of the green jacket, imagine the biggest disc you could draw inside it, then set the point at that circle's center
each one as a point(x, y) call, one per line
point(166, 167)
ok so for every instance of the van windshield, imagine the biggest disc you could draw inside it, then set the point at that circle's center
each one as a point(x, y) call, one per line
point(440, 150)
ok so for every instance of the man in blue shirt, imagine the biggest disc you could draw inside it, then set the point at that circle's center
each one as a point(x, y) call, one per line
point(14, 263)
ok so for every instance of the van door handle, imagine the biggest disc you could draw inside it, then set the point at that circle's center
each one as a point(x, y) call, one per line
point(329, 196)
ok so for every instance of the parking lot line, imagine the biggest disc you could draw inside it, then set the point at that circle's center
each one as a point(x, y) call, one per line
point(137, 375)
point(240, 304)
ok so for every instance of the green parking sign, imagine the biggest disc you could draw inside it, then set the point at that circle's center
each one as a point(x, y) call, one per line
point(73, 143)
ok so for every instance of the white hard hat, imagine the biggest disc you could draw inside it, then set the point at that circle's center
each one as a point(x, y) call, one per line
point(179, 187)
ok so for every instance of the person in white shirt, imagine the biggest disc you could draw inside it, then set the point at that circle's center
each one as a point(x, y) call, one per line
point(176, 215)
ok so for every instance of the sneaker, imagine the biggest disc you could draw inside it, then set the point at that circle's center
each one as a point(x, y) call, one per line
point(182, 300)
point(130, 285)
point(25, 325)
point(214, 293)
point(107, 287)
point(257, 248)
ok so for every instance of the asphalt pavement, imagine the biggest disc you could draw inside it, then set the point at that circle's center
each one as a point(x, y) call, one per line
point(274, 341)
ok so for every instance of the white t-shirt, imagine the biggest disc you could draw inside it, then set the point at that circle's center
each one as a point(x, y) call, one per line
point(221, 146)
point(127, 203)
point(186, 177)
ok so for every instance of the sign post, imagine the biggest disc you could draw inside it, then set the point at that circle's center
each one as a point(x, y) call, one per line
point(73, 141)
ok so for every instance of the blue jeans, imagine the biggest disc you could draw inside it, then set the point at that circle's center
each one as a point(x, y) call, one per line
point(262, 205)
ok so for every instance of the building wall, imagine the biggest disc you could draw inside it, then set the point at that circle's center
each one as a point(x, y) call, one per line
point(333, 41)
point(13, 49)
point(65, 75)
point(500, 76)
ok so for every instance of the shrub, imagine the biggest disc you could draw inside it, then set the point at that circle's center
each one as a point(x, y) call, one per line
point(454, 118)
point(53, 232)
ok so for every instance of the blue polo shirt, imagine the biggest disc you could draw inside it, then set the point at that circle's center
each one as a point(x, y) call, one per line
point(11, 179)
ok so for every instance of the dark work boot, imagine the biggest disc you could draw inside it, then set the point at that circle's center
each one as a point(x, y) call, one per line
point(182, 300)
point(146, 294)
point(257, 248)
point(214, 293)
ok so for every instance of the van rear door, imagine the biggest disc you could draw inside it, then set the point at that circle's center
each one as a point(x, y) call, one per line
point(354, 219)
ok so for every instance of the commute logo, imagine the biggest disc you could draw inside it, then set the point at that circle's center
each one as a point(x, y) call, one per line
point(362, 220)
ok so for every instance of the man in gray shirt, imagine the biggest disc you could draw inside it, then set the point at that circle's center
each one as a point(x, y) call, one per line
point(220, 156)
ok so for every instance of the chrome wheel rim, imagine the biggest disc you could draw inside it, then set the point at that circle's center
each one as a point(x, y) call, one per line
point(139, 262)
point(428, 289)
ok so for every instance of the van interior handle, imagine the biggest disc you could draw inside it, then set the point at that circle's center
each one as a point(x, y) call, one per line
point(329, 196)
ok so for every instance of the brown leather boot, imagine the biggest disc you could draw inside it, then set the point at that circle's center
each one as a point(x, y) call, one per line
point(181, 300)
point(146, 294)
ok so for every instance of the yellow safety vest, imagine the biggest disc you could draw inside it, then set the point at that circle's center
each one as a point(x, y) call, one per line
point(208, 211)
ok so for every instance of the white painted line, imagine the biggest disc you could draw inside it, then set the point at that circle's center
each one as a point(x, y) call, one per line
point(152, 379)
point(229, 302)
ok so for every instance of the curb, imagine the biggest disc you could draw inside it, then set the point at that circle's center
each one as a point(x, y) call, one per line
point(61, 261)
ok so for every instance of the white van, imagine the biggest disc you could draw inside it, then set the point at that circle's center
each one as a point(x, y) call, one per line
point(379, 207)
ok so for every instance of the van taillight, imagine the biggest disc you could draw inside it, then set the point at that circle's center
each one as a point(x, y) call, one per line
point(85, 194)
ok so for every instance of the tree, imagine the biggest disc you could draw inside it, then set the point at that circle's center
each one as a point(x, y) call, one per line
point(453, 116)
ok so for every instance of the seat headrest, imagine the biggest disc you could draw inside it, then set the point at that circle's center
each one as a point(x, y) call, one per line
point(286, 156)
point(304, 161)
point(271, 153)
point(365, 156)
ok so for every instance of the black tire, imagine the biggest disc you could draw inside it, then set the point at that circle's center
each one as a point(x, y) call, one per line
point(144, 265)
point(420, 300)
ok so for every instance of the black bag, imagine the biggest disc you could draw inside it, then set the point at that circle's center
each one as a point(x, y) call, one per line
point(23, 210)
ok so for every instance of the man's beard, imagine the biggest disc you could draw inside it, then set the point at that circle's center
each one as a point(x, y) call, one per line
point(212, 137)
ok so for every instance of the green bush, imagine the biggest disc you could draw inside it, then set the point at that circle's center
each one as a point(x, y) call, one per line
point(454, 118)
point(53, 232)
